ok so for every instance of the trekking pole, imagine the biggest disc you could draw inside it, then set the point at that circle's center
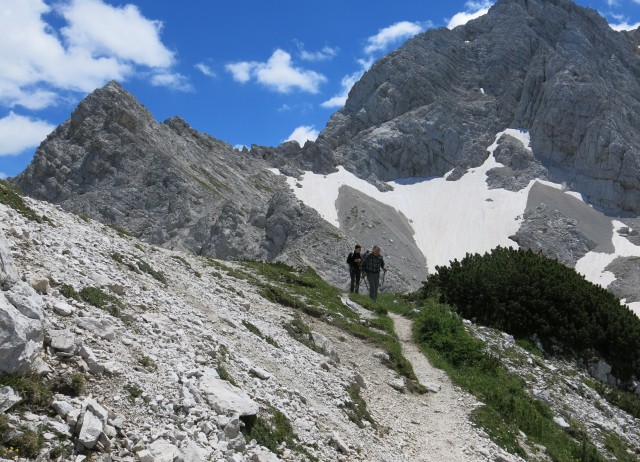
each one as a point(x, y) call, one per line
point(384, 273)
point(364, 278)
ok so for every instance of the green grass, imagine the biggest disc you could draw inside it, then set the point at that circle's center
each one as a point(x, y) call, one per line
point(119, 230)
point(34, 390)
point(619, 448)
point(628, 402)
point(270, 428)
point(224, 374)
point(254, 330)
point(146, 268)
point(134, 391)
point(301, 332)
point(69, 291)
point(508, 408)
point(100, 299)
point(148, 363)
point(304, 290)
point(11, 197)
point(356, 409)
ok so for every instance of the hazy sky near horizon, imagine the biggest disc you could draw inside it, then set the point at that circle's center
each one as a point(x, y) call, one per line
point(246, 72)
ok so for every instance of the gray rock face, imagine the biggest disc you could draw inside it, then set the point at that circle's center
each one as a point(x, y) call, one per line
point(627, 272)
point(436, 103)
point(549, 232)
point(520, 166)
point(562, 227)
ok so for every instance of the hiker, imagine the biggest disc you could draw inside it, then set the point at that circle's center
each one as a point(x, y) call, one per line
point(353, 260)
point(371, 266)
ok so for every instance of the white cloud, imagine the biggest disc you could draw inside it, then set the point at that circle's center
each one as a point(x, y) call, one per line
point(391, 35)
point(303, 133)
point(277, 73)
point(174, 81)
point(347, 82)
point(474, 10)
point(624, 25)
point(325, 54)
point(2, 175)
point(206, 70)
point(18, 133)
point(121, 32)
point(241, 71)
point(97, 42)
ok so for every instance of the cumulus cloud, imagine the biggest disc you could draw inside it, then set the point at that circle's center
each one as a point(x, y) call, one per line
point(171, 80)
point(18, 133)
point(206, 70)
point(95, 42)
point(347, 82)
point(278, 74)
point(2, 175)
point(303, 133)
point(624, 25)
point(391, 35)
point(325, 54)
point(474, 9)
point(120, 32)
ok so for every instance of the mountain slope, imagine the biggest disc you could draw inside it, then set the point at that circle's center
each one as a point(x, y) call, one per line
point(178, 326)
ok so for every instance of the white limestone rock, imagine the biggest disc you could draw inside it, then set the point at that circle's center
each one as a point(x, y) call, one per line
point(62, 308)
point(20, 338)
point(102, 327)
point(8, 397)
point(62, 340)
point(26, 300)
point(224, 397)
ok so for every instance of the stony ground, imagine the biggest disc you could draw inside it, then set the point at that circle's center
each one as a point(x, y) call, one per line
point(155, 370)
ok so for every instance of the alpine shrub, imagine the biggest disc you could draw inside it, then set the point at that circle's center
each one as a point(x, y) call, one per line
point(523, 294)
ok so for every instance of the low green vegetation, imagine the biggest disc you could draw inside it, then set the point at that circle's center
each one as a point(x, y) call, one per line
point(23, 444)
point(507, 409)
point(119, 230)
point(11, 197)
point(100, 299)
point(301, 332)
point(33, 389)
point(628, 402)
point(566, 312)
point(224, 374)
point(148, 363)
point(137, 265)
point(270, 428)
point(72, 384)
point(304, 290)
point(133, 390)
point(146, 268)
point(356, 409)
point(254, 330)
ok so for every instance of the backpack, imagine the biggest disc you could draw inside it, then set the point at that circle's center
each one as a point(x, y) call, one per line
point(363, 260)
point(349, 258)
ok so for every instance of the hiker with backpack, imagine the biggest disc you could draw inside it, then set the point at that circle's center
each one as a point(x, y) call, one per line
point(371, 266)
point(353, 260)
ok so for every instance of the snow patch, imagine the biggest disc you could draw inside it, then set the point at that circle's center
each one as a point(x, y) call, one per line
point(483, 218)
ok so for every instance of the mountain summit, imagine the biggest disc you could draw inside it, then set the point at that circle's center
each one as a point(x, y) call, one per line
point(550, 67)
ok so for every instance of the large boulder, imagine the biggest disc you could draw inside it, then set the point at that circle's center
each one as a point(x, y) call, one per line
point(8, 271)
point(20, 338)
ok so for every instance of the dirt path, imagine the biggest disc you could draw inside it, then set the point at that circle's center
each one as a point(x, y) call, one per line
point(432, 427)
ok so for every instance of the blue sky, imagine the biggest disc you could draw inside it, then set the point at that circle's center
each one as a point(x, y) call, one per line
point(246, 72)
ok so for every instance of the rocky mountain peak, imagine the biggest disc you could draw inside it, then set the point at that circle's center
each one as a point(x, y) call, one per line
point(552, 68)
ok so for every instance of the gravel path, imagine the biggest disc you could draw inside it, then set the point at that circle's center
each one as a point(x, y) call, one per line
point(430, 427)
